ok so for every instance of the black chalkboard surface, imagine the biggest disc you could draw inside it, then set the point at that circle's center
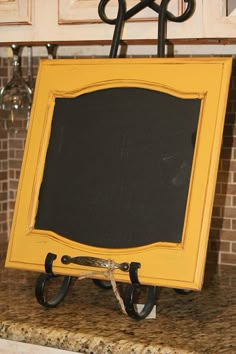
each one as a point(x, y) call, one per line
point(118, 167)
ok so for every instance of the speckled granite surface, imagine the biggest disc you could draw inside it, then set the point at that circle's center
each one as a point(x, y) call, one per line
point(89, 320)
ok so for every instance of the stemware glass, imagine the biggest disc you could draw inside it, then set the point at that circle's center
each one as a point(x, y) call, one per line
point(15, 98)
point(52, 50)
point(30, 77)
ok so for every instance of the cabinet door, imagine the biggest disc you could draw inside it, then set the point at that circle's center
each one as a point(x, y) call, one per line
point(219, 19)
point(120, 166)
point(15, 12)
point(86, 12)
point(77, 20)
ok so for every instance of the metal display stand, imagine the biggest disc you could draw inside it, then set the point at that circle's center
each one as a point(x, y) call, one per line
point(131, 289)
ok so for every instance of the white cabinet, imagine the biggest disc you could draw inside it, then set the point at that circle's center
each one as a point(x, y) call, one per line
point(219, 19)
point(77, 20)
point(15, 12)
point(86, 11)
point(142, 26)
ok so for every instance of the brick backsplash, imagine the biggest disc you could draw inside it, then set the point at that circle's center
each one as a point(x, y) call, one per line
point(3, 185)
point(222, 241)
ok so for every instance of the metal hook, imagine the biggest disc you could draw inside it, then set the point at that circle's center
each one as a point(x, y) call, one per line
point(40, 290)
point(133, 272)
point(50, 258)
point(49, 276)
point(131, 308)
point(132, 289)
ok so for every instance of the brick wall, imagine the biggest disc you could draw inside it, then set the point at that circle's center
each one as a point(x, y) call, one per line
point(3, 185)
point(222, 243)
point(3, 164)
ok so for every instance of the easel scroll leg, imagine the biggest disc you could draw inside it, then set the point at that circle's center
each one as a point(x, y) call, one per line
point(45, 278)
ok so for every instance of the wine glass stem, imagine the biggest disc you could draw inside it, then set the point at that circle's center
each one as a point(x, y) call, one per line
point(52, 49)
point(16, 59)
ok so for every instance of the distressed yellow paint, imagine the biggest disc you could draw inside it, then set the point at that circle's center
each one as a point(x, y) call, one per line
point(165, 264)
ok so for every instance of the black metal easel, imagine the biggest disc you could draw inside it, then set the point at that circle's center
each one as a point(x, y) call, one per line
point(129, 294)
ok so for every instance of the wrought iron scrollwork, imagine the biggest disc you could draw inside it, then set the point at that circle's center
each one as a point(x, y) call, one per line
point(45, 278)
point(133, 289)
point(123, 15)
point(129, 300)
point(40, 292)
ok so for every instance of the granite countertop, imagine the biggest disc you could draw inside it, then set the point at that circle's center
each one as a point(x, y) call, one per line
point(89, 320)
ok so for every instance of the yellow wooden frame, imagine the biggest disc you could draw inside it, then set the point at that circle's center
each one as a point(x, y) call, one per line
point(166, 264)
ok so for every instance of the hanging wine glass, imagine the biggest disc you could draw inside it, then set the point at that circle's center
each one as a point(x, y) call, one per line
point(30, 77)
point(52, 50)
point(15, 98)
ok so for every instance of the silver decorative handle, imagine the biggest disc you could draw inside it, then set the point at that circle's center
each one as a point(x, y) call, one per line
point(95, 262)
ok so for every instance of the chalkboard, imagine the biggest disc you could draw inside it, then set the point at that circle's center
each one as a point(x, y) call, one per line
point(118, 167)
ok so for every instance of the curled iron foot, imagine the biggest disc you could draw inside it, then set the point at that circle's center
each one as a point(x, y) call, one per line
point(183, 291)
point(41, 283)
point(129, 300)
point(104, 284)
